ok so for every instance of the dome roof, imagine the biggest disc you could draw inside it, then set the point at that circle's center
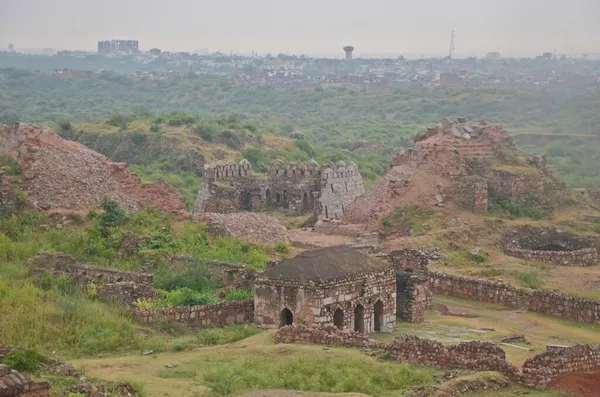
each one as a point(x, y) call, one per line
point(340, 164)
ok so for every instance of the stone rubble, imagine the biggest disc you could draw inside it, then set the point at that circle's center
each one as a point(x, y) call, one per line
point(248, 226)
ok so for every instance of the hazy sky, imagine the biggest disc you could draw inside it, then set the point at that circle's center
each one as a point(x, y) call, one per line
point(515, 27)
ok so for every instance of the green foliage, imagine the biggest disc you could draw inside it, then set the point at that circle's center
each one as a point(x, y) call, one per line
point(20, 197)
point(239, 294)
point(530, 279)
point(178, 347)
point(120, 120)
point(112, 216)
point(224, 335)
point(24, 360)
point(597, 228)
point(11, 166)
point(306, 147)
point(480, 257)
point(282, 248)
point(410, 217)
point(515, 208)
point(196, 278)
point(65, 125)
point(184, 297)
point(138, 138)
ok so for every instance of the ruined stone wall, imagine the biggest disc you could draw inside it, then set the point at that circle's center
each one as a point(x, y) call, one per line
point(550, 246)
point(14, 384)
point(412, 296)
point(327, 334)
point(294, 187)
point(340, 186)
point(540, 370)
point(219, 314)
point(116, 285)
point(409, 260)
point(317, 302)
point(539, 301)
point(511, 185)
point(473, 355)
point(471, 193)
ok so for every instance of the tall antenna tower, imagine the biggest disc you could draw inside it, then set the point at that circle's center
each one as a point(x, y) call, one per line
point(452, 48)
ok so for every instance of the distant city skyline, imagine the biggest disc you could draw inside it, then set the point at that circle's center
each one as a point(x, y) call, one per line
point(384, 28)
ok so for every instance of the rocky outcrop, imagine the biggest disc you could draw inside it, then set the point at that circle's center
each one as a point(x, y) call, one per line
point(14, 384)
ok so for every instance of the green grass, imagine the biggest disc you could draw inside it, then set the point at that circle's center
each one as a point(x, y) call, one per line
point(318, 373)
point(224, 335)
point(530, 279)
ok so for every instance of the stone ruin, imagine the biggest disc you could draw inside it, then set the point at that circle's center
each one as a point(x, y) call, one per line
point(115, 285)
point(14, 384)
point(339, 286)
point(456, 163)
point(550, 246)
point(298, 188)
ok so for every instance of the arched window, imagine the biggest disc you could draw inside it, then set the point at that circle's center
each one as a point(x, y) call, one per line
point(359, 319)
point(378, 316)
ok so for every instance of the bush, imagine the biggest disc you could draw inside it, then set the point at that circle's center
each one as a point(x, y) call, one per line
point(530, 280)
point(138, 138)
point(120, 120)
point(113, 214)
point(24, 360)
point(65, 125)
point(178, 347)
point(597, 228)
point(239, 294)
point(282, 248)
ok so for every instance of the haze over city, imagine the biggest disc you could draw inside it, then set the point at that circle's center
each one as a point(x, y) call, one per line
point(379, 27)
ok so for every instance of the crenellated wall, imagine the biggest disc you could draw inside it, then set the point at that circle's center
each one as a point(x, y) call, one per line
point(297, 188)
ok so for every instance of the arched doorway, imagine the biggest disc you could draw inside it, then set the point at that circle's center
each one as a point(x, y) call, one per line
point(287, 318)
point(338, 318)
point(268, 198)
point(305, 206)
point(378, 316)
point(359, 319)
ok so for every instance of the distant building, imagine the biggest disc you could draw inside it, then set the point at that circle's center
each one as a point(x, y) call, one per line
point(118, 46)
point(492, 56)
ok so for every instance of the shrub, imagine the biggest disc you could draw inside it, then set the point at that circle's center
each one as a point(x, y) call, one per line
point(530, 280)
point(20, 198)
point(386, 222)
point(65, 125)
point(138, 138)
point(239, 294)
point(282, 248)
point(77, 219)
point(178, 347)
point(24, 360)
point(597, 228)
point(119, 120)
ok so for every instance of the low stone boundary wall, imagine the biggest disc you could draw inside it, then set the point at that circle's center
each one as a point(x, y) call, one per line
point(323, 335)
point(537, 371)
point(540, 370)
point(409, 348)
point(116, 285)
point(539, 301)
point(200, 316)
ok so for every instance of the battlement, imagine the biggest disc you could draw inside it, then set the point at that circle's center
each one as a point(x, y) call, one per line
point(296, 187)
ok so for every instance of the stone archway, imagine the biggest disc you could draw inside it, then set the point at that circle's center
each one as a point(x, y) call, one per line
point(338, 318)
point(359, 319)
point(378, 320)
point(286, 318)
point(268, 199)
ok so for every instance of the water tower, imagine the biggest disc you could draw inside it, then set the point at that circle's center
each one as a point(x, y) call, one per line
point(348, 50)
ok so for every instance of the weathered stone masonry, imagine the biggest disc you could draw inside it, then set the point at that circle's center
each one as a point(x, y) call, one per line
point(117, 285)
point(537, 371)
point(539, 301)
point(219, 314)
point(14, 384)
point(335, 285)
point(298, 188)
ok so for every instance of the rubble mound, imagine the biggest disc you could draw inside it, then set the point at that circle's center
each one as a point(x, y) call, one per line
point(249, 226)
point(59, 174)
point(456, 164)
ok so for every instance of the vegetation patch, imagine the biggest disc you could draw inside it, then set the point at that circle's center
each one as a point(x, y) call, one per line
point(411, 219)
